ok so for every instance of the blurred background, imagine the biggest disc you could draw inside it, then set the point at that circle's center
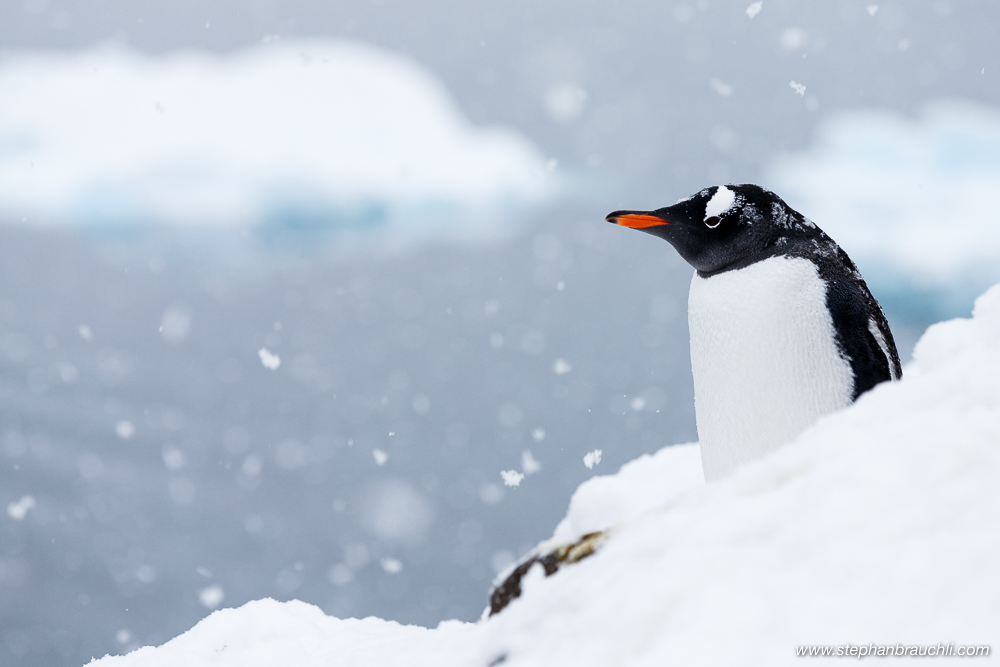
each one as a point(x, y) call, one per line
point(285, 286)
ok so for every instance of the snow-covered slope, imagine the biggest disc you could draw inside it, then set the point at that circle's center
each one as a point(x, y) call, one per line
point(877, 526)
point(315, 133)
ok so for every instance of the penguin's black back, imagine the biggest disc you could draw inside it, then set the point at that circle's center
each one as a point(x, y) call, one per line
point(852, 307)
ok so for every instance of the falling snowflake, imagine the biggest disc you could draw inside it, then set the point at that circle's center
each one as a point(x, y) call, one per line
point(391, 565)
point(380, 457)
point(212, 596)
point(561, 367)
point(592, 458)
point(125, 429)
point(528, 463)
point(511, 477)
point(722, 88)
point(755, 8)
point(18, 510)
point(798, 88)
point(269, 360)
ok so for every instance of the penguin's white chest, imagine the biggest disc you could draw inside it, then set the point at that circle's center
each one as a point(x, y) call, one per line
point(764, 359)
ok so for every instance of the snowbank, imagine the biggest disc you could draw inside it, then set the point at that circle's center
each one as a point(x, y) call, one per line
point(306, 134)
point(270, 633)
point(648, 482)
point(919, 194)
point(878, 525)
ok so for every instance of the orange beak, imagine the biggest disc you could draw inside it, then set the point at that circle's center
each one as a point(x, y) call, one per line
point(636, 220)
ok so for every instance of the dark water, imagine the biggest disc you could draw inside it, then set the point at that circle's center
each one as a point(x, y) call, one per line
point(264, 483)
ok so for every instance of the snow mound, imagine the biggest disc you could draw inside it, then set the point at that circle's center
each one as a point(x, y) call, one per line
point(268, 633)
point(919, 194)
point(307, 134)
point(877, 526)
point(649, 482)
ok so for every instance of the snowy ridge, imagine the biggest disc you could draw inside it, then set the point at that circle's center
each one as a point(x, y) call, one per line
point(877, 525)
point(266, 632)
point(649, 482)
point(307, 134)
point(917, 194)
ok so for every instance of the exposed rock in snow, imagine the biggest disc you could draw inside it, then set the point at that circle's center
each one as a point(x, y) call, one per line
point(877, 525)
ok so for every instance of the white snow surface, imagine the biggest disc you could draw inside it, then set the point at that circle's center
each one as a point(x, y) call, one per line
point(877, 525)
point(917, 193)
point(306, 132)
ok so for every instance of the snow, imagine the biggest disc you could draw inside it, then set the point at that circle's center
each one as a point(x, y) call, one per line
point(755, 8)
point(561, 367)
point(18, 509)
point(564, 102)
point(721, 87)
point(798, 88)
point(648, 482)
point(124, 429)
point(794, 38)
point(877, 525)
point(302, 133)
point(511, 477)
point(915, 194)
point(394, 510)
point(529, 464)
point(721, 201)
point(380, 457)
point(591, 459)
point(391, 565)
point(176, 325)
point(266, 633)
point(212, 596)
point(270, 360)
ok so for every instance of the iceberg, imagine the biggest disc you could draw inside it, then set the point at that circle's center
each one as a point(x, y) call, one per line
point(310, 134)
point(916, 195)
point(877, 526)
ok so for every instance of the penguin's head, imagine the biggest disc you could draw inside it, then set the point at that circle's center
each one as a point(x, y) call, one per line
point(718, 227)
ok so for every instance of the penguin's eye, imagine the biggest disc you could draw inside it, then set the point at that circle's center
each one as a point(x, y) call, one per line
point(712, 222)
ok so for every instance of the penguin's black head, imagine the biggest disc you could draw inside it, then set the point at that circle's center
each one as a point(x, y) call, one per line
point(721, 227)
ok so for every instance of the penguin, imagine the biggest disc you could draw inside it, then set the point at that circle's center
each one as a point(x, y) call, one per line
point(783, 327)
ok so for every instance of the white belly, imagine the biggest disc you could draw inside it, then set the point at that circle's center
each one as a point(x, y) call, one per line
point(764, 360)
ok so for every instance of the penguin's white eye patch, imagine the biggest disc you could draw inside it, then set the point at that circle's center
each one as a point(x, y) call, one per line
point(712, 222)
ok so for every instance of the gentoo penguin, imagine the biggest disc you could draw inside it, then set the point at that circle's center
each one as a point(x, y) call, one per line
point(783, 328)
